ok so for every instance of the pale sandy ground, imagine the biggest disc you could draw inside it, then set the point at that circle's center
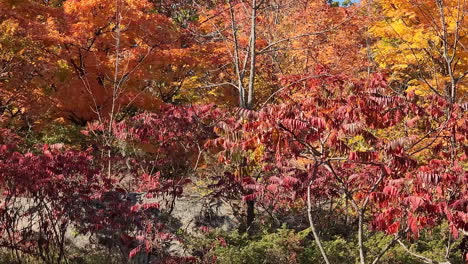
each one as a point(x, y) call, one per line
point(190, 211)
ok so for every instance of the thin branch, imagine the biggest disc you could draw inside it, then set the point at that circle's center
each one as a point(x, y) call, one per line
point(385, 249)
point(266, 49)
point(311, 220)
point(420, 257)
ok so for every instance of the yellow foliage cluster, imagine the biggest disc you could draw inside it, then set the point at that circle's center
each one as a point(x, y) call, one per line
point(415, 39)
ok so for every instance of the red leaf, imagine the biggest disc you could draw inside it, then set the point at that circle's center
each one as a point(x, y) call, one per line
point(150, 206)
point(134, 251)
point(135, 208)
point(413, 224)
point(415, 202)
point(249, 197)
point(272, 187)
point(390, 191)
point(412, 121)
point(393, 228)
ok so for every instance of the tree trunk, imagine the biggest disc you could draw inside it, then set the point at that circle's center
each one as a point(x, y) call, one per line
point(250, 214)
point(253, 54)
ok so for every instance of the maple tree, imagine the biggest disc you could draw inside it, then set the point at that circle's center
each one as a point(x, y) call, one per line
point(80, 44)
point(334, 37)
point(421, 42)
point(19, 77)
point(260, 51)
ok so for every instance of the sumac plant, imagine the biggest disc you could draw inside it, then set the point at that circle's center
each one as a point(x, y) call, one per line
point(332, 137)
point(118, 200)
point(47, 194)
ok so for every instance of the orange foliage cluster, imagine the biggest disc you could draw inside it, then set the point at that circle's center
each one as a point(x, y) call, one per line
point(70, 50)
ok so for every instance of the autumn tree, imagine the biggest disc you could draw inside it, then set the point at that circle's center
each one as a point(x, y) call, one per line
point(328, 36)
point(260, 50)
point(76, 46)
point(422, 44)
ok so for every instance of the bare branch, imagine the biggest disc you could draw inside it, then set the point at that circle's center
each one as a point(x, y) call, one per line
point(266, 49)
point(311, 220)
point(420, 257)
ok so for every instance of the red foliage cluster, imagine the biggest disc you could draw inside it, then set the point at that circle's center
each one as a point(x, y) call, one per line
point(47, 192)
point(332, 134)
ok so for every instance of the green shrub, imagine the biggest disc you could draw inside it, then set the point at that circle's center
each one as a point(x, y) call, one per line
point(290, 247)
